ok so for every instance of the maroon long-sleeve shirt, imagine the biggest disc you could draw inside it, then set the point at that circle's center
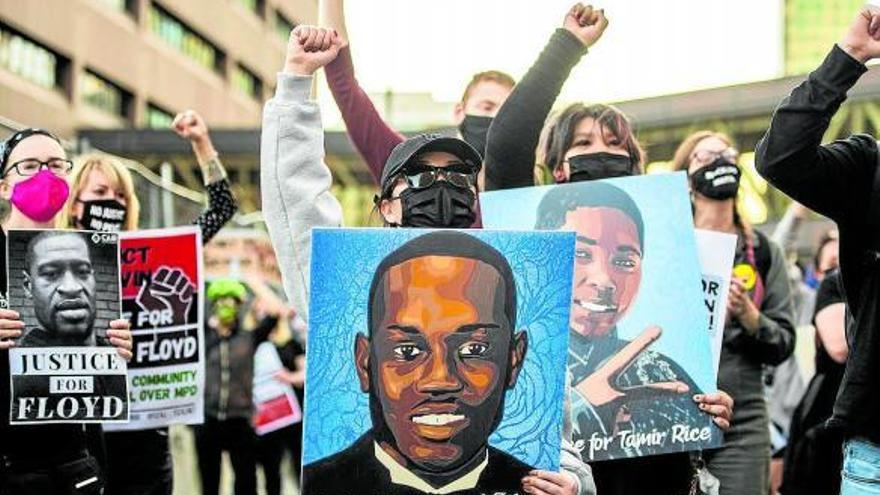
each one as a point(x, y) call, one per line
point(372, 137)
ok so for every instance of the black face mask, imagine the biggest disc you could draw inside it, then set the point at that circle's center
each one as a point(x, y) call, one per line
point(440, 206)
point(106, 215)
point(719, 180)
point(595, 166)
point(474, 130)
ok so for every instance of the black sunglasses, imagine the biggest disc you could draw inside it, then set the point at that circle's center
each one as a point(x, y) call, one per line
point(420, 176)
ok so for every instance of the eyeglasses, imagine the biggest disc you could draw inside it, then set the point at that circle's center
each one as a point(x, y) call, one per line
point(421, 176)
point(708, 156)
point(31, 166)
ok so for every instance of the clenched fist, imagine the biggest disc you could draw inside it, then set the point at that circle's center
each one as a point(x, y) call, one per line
point(862, 40)
point(586, 23)
point(190, 126)
point(310, 48)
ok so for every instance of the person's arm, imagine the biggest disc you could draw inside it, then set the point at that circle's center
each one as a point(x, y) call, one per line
point(786, 232)
point(571, 460)
point(263, 329)
point(769, 335)
point(516, 130)
point(272, 303)
point(831, 329)
point(371, 135)
point(297, 376)
point(295, 182)
point(833, 179)
point(575, 477)
point(222, 204)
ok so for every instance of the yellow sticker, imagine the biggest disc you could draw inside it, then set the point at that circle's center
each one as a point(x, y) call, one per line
point(747, 274)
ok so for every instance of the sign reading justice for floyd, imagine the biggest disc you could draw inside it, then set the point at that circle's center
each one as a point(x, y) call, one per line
point(65, 286)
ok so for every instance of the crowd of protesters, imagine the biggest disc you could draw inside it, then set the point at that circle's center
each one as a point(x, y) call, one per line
point(785, 430)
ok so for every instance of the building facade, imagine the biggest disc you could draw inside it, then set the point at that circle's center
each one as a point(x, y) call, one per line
point(77, 64)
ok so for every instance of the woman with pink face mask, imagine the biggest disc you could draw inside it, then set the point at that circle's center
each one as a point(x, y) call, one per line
point(43, 459)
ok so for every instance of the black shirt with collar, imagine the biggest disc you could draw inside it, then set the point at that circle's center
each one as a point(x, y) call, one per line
point(356, 471)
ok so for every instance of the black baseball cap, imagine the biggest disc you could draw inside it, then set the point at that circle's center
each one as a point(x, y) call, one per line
point(404, 152)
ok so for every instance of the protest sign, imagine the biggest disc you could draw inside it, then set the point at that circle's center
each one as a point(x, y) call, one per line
point(716, 251)
point(276, 405)
point(441, 351)
point(639, 349)
point(161, 296)
point(65, 286)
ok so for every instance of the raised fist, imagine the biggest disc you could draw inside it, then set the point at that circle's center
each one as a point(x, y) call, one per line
point(586, 23)
point(190, 126)
point(862, 40)
point(309, 48)
point(169, 293)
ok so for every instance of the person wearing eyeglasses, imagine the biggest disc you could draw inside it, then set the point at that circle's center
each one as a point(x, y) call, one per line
point(427, 181)
point(42, 459)
point(760, 327)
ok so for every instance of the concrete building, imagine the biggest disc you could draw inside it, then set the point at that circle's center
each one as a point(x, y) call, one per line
point(75, 64)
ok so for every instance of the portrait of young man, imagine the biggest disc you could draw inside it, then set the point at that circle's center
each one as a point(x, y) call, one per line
point(621, 385)
point(442, 349)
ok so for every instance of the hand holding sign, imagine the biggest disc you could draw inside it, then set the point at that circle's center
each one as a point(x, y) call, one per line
point(540, 482)
point(599, 388)
point(120, 337)
point(166, 300)
point(718, 405)
point(10, 328)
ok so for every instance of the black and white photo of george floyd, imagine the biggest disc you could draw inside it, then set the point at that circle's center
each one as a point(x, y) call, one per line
point(65, 285)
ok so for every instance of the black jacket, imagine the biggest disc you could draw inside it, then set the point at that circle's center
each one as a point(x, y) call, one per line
point(356, 471)
point(835, 180)
point(229, 369)
point(514, 134)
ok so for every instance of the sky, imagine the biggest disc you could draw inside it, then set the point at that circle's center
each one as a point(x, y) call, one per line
point(650, 47)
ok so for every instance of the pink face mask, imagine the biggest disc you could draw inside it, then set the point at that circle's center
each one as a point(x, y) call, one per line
point(41, 196)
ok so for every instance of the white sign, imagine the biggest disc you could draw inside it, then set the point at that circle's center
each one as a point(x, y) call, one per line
point(716, 251)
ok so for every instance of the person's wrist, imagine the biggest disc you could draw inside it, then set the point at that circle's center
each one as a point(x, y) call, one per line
point(855, 51)
point(203, 149)
point(752, 321)
point(574, 34)
point(299, 69)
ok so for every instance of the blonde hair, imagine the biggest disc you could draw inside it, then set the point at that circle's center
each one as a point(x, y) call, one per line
point(119, 178)
point(495, 76)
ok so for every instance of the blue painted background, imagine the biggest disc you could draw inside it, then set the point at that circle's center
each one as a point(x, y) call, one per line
point(671, 292)
point(343, 262)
